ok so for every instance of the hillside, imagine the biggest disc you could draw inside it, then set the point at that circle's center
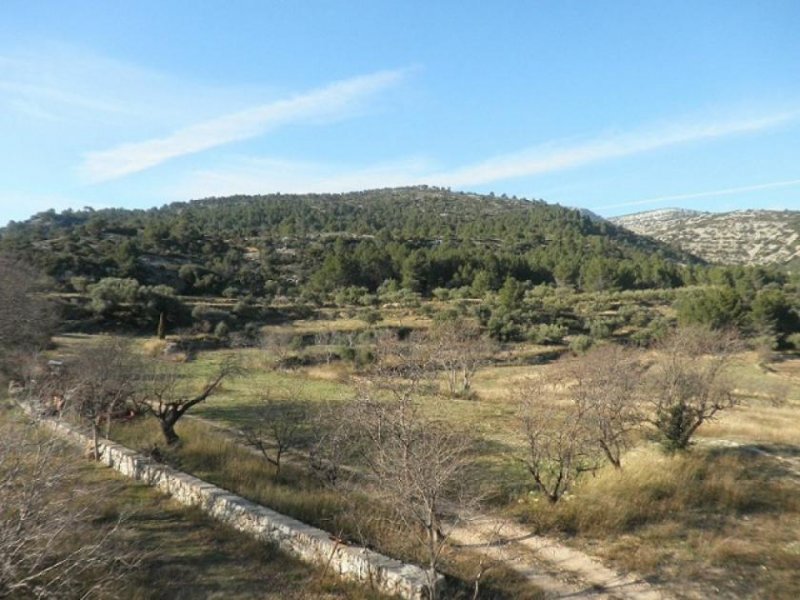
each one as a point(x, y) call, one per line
point(420, 237)
point(750, 237)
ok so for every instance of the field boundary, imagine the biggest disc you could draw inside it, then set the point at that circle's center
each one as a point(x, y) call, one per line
point(308, 543)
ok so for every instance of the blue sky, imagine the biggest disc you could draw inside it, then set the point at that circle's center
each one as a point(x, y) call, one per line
point(615, 106)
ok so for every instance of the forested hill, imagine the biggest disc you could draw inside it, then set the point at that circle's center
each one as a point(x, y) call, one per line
point(421, 238)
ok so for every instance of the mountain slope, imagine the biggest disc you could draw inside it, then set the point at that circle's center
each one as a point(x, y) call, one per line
point(750, 237)
point(421, 237)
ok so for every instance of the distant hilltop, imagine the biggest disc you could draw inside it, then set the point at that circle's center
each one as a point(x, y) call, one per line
point(749, 237)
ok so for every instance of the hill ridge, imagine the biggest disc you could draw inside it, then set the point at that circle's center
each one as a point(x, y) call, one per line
point(748, 236)
point(420, 237)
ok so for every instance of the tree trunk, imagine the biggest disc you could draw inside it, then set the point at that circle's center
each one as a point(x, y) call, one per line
point(95, 441)
point(168, 429)
point(162, 327)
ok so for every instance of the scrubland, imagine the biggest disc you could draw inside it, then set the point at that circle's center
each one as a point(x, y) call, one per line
point(722, 518)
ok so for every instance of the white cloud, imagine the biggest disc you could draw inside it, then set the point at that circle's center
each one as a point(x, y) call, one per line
point(330, 101)
point(32, 92)
point(61, 80)
point(559, 156)
point(254, 176)
point(709, 194)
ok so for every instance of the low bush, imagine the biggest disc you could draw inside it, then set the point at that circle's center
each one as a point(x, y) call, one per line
point(580, 344)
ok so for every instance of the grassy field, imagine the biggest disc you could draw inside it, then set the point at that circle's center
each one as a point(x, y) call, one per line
point(722, 521)
point(214, 457)
point(716, 520)
point(185, 554)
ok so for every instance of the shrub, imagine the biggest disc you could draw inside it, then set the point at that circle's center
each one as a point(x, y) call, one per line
point(371, 316)
point(79, 284)
point(442, 294)
point(793, 340)
point(547, 333)
point(600, 329)
point(364, 357)
point(347, 353)
point(204, 312)
point(580, 344)
point(297, 343)
point(222, 330)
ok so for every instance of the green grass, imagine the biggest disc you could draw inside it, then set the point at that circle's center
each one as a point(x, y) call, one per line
point(184, 553)
point(701, 520)
point(213, 457)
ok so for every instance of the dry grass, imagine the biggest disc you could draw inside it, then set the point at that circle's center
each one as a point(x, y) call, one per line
point(183, 553)
point(216, 458)
point(711, 519)
point(332, 323)
point(757, 423)
point(153, 347)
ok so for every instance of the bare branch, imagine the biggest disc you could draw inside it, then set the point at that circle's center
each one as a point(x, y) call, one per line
point(689, 385)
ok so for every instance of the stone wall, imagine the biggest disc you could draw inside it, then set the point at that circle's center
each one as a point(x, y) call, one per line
point(308, 543)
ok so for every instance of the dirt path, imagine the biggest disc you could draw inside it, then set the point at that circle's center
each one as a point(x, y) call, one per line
point(790, 463)
point(556, 569)
point(560, 571)
point(563, 572)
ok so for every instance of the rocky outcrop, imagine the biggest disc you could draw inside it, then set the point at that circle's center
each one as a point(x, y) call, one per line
point(750, 237)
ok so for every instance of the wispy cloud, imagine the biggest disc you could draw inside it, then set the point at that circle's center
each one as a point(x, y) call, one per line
point(709, 194)
point(56, 81)
point(556, 156)
point(332, 100)
point(51, 94)
point(254, 175)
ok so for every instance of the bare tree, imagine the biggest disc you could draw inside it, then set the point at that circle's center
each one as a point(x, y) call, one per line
point(558, 443)
point(459, 350)
point(689, 385)
point(26, 317)
point(101, 380)
point(163, 394)
point(279, 423)
point(605, 385)
point(50, 544)
point(324, 340)
point(276, 346)
point(420, 468)
point(332, 445)
point(402, 368)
